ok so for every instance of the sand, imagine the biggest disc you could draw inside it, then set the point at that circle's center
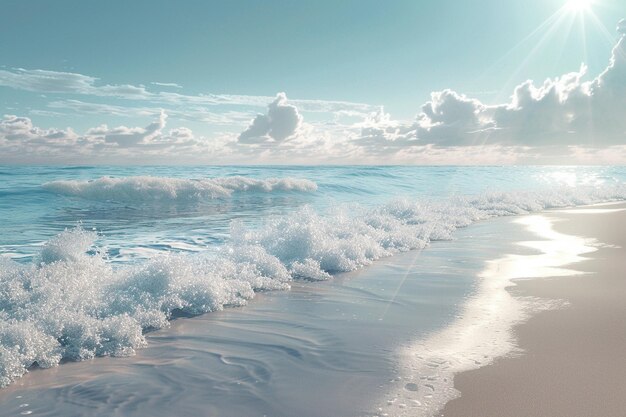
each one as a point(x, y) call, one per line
point(573, 362)
point(330, 348)
point(321, 349)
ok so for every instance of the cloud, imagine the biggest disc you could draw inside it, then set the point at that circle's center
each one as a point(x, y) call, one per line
point(380, 135)
point(22, 142)
point(16, 130)
point(188, 113)
point(567, 119)
point(562, 111)
point(19, 138)
point(43, 81)
point(282, 121)
point(172, 85)
point(450, 118)
point(81, 107)
point(563, 120)
point(129, 137)
point(59, 82)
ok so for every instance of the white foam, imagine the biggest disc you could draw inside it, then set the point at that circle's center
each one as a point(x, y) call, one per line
point(72, 304)
point(146, 188)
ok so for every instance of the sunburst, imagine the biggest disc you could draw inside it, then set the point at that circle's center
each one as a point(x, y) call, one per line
point(578, 6)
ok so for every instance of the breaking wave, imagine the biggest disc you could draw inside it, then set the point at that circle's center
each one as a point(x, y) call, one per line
point(147, 188)
point(72, 304)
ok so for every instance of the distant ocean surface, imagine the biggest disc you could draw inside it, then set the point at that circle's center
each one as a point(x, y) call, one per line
point(139, 212)
point(92, 258)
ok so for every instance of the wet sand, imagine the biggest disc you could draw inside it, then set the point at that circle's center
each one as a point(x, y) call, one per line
point(339, 341)
point(321, 349)
point(573, 361)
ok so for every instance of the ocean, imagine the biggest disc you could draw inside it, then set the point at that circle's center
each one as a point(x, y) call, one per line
point(242, 291)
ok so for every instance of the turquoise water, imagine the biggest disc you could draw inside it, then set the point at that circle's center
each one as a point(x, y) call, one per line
point(138, 227)
point(93, 258)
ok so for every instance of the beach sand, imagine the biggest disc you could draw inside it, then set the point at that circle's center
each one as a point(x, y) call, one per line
point(339, 341)
point(573, 361)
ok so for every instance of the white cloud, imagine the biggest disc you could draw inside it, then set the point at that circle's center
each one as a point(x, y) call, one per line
point(565, 119)
point(450, 118)
point(172, 85)
point(14, 130)
point(380, 135)
point(282, 121)
point(46, 81)
point(188, 113)
point(81, 107)
point(43, 81)
point(562, 111)
point(58, 82)
point(129, 137)
point(22, 142)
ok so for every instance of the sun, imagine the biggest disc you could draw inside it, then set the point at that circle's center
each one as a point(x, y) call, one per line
point(578, 5)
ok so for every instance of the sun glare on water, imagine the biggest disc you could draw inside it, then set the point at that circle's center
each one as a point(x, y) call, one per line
point(578, 5)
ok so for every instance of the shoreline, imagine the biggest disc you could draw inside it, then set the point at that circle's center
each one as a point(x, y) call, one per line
point(483, 330)
point(568, 361)
point(474, 249)
point(279, 354)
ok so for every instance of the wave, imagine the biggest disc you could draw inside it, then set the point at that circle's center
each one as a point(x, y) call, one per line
point(72, 304)
point(147, 188)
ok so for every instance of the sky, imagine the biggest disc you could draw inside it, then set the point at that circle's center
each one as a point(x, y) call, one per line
point(317, 82)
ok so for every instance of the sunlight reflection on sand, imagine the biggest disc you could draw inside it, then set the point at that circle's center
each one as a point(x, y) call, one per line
point(483, 331)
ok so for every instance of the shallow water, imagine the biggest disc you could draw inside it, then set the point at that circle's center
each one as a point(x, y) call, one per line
point(326, 348)
point(155, 243)
point(136, 225)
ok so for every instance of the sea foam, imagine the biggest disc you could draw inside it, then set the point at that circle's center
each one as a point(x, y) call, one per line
point(72, 304)
point(147, 189)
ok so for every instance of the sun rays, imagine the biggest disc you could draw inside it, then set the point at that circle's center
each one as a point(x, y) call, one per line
point(579, 6)
point(574, 22)
point(574, 14)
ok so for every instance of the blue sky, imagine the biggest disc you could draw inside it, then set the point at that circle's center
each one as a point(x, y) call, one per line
point(337, 61)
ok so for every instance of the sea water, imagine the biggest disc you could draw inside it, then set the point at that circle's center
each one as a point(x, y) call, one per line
point(93, 260)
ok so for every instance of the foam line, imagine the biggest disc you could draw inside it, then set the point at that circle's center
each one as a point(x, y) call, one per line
point(161, 189)
point(70, 303)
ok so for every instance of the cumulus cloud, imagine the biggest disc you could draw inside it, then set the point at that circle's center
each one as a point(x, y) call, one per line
point(15, 130)
point(561, 120)
point(23, 142)
point(19, 138)
point(127, 137)
point(380, 135)
point(152, 136)
point(450, 118)
point(282, 121)
point(570, 118)
point(564, 110)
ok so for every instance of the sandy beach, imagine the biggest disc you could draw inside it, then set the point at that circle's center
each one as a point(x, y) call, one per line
point(572, 362)
point(313, 208)
point(385, 337)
